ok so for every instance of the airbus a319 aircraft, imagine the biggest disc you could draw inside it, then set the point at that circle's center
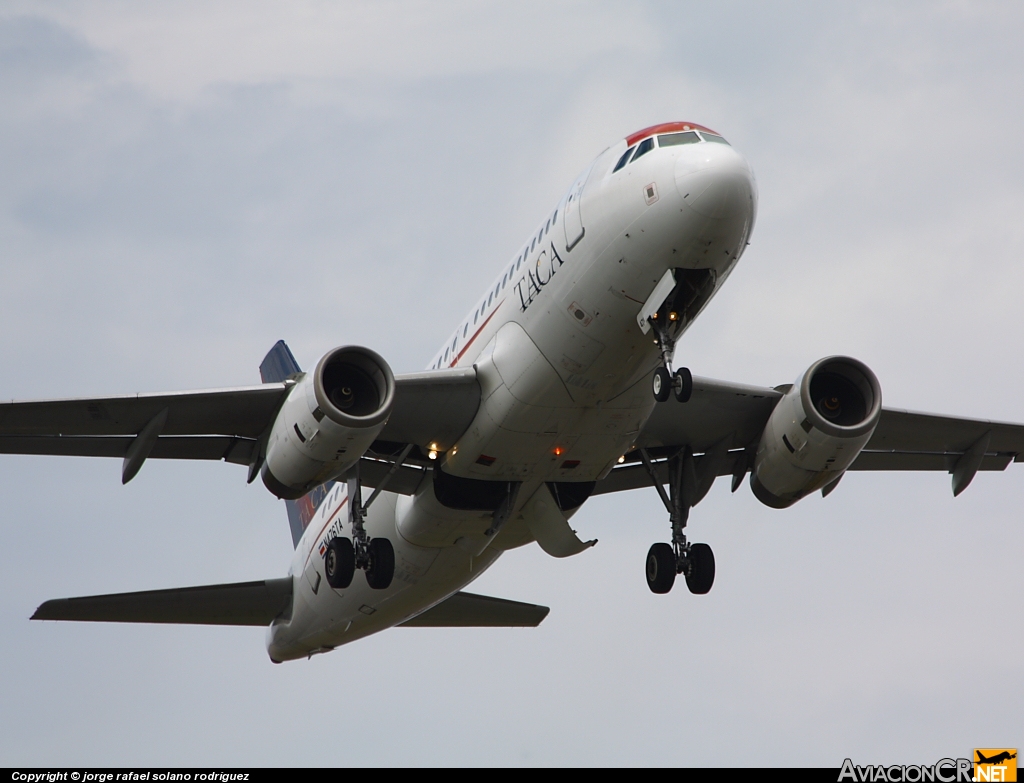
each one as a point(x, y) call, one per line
point(555, 387)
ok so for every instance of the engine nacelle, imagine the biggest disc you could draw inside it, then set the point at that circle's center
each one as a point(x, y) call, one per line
point(816, 430)
point(328, 421)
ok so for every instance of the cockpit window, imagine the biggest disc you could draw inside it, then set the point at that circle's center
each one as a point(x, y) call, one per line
point(672, 139)
point(712, 137)
point(623, 159)
point(643, 148)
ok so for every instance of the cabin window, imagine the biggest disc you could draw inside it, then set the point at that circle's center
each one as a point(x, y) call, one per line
point(533, 244)
point(554, 217)
point(623, 159)
point(672, 139)
point(465, 329)
point(489, 298)
point(445, 354)
point(643, 148)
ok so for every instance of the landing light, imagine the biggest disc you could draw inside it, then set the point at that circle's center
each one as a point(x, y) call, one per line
point(433, 451)
point(558, 451)
point(622, 459)
point(673, 316)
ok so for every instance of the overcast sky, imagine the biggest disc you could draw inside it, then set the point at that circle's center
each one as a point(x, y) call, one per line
point(182, 185)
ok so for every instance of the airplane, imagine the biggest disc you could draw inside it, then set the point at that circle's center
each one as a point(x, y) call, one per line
point(558, 385)
point(996, 759)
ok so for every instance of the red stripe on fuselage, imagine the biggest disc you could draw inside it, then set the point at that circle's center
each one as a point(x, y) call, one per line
point(665, 127)
point(317, 539)
point(476, 333)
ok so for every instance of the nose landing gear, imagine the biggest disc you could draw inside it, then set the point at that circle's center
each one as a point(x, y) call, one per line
point(664, 382)
point(695, 561)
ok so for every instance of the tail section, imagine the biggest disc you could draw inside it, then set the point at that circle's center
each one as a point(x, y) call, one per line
point(279, 365)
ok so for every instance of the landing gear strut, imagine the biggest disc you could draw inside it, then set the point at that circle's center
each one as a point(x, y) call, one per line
point(665, 382)
point(375, 556)
point(695, 561)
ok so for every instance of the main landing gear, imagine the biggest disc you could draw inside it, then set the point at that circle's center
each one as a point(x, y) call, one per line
point(695, 561)
point(375, 556)
point(665, 382)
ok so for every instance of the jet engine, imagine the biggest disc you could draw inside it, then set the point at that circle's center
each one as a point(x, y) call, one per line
point(816, 431)
point(328, 420)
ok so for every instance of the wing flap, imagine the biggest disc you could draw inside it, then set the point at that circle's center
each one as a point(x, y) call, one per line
point(211, 447)
point(405, 481)
point(901, 460)
point(243, 603)
point(468, 610)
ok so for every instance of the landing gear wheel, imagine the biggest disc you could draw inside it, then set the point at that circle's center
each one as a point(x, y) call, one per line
point(702, 569)
point(683, 384)
point(340, 562)
point(661, 568)
point(381, 570)
point(661, 384)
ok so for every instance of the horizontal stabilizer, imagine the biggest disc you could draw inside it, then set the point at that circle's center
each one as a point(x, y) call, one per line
point(467, 610)
point(243, 603)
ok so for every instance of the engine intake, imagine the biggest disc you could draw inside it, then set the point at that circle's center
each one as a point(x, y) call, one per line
point(816, 431)
point(354, 387)
point(328, 420)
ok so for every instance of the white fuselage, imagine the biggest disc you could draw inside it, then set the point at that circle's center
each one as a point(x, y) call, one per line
point(564, 371)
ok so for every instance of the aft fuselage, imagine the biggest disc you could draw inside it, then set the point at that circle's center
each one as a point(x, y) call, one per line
point(564, 369)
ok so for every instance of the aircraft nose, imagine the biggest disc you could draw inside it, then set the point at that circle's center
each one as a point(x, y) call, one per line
point(715, 181)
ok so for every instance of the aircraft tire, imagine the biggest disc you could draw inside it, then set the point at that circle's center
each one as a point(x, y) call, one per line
point(661, 384)
point(382, 564)
point(661, 568)
point(702, 569)
point(683, 385)
point(340, 562)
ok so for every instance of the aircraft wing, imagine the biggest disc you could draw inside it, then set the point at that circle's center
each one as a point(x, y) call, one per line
point(223, 424)
point(731, 417)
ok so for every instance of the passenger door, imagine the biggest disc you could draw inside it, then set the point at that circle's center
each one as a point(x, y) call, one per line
point(572, 217)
